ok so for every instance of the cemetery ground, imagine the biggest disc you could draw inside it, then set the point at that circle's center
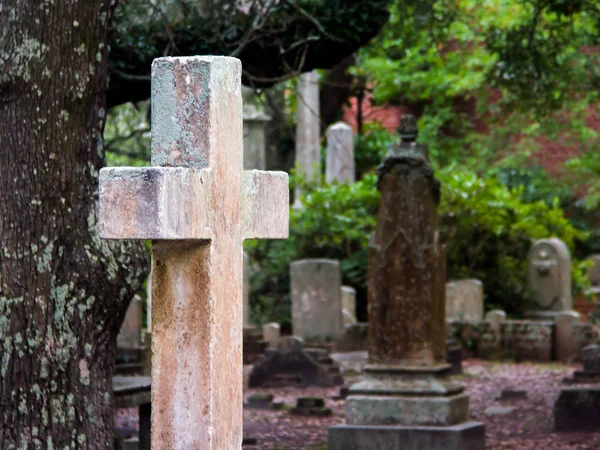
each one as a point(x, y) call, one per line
point(528, 426)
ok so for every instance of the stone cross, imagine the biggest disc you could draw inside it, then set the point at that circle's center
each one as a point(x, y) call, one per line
point(197, 205)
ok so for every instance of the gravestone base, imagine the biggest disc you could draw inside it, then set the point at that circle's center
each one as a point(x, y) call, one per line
point(577, 409)
point(542, 315)
point(464, 436)
point(408, 396)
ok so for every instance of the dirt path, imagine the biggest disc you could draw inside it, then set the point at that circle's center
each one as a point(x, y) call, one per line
point(528, 427)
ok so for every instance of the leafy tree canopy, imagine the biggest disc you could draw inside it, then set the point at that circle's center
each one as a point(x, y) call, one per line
point(275, 39)
point(530, 65)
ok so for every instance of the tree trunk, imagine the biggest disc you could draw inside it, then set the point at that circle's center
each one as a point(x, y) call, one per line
point(63, 292)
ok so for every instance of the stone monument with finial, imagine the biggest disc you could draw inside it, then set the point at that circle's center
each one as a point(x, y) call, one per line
point(407, 398)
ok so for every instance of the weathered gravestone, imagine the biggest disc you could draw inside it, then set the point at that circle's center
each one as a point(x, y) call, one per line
point(549, 266)
point(340, 154)
point(590, 372)
point(348, 305)
point(308, 127)
point(272, 334)
point(496, 318)
point(406, 399)
point(464, 300)
point(565, 342)
point(316, 302)
point(254, 132)
point(293, 365)
point(197, 205)
point(129, 340)
point(130, 334)
point(593, 272)
point(577, 409)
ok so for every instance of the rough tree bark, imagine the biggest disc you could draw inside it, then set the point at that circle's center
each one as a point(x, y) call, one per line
point(63, 292)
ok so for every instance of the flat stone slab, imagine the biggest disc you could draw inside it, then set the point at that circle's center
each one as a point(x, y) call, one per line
point(499, 410)
point(465, 436)
point(131, 391)
point(577, 409)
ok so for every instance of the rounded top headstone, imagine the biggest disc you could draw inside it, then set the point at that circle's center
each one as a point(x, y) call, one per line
point(343, 126)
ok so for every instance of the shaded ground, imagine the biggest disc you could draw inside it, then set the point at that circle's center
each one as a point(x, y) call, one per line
point(529, 426)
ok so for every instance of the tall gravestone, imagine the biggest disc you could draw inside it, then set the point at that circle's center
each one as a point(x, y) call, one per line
point(407, 399)
point(197, 205)
point(254, 132)
point(464, 300)
point(348, 305)
point(130, 334)
point(549, 271)
point(308, 127)
point(593, 271)
point(316, 299)
point(339, 164)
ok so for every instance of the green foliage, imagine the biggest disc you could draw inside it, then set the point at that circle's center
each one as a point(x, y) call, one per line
point(524, 67)
point(488, 230)
point(127, 135)
point(487, 227)
point(371, 147)
point(333, 221)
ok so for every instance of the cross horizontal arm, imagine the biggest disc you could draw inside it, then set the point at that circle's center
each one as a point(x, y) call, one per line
point(155, 203)
point(266, 205)
point(174, 203)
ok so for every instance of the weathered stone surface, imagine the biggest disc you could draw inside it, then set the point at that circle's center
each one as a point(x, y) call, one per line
point(464, 300)
point(476, 338)
point(260, 401)
point(495, 318)
point(593, 272)
point(590, 357)
point(254, 132)
point(201, 197)
point(590, 372)
point(291, 365)
point(353, 339)
point(499, 410)
point(565, 343)
point(454, 356)
point(465, 436)
point(577, 409)
point(406, 382)
point(512, 394)
point(406, 307)
point(130, 334)
point(253, 344)
point(586, 334)
point(549, 265)
point(308, 127)
point(348, 305)
point(175, 203)
point(528, 340)
point(340, 154)
point(272, 334)
point(316, 302)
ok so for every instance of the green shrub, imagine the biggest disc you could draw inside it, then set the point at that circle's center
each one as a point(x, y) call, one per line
point(488, 231)
point(371, 147)
point(487, 228)
point(334, 221)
